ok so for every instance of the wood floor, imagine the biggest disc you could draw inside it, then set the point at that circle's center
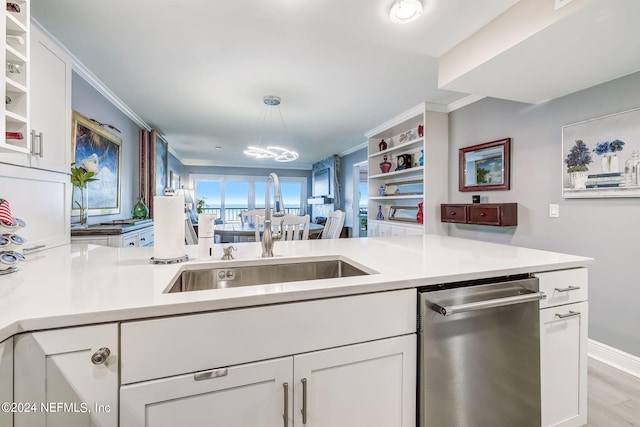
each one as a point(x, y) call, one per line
point(613, 397)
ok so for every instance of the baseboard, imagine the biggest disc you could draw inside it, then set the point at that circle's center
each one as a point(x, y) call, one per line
point(615, 358)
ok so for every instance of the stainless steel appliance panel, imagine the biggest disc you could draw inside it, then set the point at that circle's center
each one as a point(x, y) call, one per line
point(480, 356)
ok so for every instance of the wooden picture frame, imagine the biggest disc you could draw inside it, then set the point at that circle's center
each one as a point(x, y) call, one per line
point(97, 150)
point(154, 158)
point(159, 163)
point(403, 213)
point(485, 167)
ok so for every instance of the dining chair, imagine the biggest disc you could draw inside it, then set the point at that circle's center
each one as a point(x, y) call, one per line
point(333, 226)
point(295, 227)
point(190, 236)
point(249, 216)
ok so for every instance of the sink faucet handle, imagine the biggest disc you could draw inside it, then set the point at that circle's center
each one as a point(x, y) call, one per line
point(227, 252)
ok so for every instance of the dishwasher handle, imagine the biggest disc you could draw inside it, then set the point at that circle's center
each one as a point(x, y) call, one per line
point(481, 305)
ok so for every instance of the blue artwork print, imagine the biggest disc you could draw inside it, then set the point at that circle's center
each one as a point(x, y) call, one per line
point(96, 150)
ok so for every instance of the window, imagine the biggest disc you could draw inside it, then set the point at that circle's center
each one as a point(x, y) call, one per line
point(227, 196)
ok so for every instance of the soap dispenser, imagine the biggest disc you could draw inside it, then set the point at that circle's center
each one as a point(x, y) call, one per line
point(206, 235)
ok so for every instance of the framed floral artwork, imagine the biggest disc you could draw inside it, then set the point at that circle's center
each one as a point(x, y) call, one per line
point(97, 150)
point(601, 157)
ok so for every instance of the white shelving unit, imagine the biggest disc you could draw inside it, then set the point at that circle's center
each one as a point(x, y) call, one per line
point(16, 87)
point(433, 147)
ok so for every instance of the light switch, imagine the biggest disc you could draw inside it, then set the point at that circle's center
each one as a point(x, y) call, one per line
point(554, 211)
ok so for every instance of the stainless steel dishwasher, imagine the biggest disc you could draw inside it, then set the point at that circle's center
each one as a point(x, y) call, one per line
point(480, 354)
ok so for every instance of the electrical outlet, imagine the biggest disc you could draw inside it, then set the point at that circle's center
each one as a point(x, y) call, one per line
point(554, 211)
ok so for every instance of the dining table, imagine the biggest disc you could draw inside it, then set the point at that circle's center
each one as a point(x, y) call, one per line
point(236, 232)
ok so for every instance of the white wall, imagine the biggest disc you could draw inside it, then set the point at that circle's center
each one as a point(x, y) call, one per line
point(605, 229)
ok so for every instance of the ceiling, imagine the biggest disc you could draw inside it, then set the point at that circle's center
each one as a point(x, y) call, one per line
point(197, 71)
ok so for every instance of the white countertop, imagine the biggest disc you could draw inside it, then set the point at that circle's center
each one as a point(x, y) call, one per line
point(84, 284)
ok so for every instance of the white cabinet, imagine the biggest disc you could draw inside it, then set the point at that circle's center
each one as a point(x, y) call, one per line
point(255, 394)
point(414, 134)
point(370, 384)
point(50, 93)
point(6, 379)
point(131, 239)
point(386, 228)
point(76, 367)
point(563, 348)
point(356, 355)
point(14, 148)
point(43, 200)
point(364, 384)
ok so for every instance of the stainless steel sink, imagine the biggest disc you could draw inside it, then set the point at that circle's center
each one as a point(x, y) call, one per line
point(263, 274)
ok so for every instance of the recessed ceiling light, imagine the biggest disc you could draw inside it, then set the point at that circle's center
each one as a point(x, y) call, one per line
point(218, 147)
point(405, 11)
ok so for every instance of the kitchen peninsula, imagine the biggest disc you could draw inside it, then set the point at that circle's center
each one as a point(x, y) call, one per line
point(103, 316)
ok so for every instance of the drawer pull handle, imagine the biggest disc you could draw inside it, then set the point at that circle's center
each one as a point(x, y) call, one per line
point(207, 375)
point(452, 213)
point(285, 416)
point(132, 243)
point(568, 288)
point(483, 214)
point(567, 315)
point(304, 401)
point(34, 248)
point(100, 356)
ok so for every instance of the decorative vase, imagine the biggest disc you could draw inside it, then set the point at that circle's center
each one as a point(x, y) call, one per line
point(420, 214)
point(610, 163)
point(380, 216)
point(421, 159)
point(382, 145)
point(385, 166)
point(578, 180)
point(84, 206)
point(140, 210)
point(381, 190)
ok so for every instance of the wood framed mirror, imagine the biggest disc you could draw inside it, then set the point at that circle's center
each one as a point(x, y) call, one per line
point(485, 167)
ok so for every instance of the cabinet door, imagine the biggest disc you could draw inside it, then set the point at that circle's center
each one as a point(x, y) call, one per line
point(50, 104)
point(373, 229)
point(145, 237)
point(62, 373)
point(384, 230)
point(371, 384)
point(255, 394)
point(43, 200)
point(563, 365)
point(6, 379)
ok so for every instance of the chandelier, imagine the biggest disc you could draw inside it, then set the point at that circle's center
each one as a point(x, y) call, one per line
point(279, 154)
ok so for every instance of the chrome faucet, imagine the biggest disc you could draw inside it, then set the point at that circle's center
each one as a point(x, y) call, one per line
point(278, 211)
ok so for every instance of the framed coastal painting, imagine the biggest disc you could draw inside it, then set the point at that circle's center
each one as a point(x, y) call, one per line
point(485, 167)
point(154, 166)
point(97, 150)
point(601, 157)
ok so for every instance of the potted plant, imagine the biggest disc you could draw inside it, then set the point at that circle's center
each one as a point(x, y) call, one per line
point(610, 159)
point(200, 205)
point(80, 177)
point(577, 160)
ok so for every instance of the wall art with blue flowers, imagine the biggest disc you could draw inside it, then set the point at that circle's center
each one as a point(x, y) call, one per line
point(601, 157)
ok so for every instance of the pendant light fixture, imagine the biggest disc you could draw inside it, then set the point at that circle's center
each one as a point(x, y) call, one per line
point(279, 154)
point(405, 11)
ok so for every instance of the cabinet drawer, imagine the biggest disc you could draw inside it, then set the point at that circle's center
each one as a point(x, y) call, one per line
point(146, 237)
point(487, 215)
point(232, 337)
point(453, 213)
point(129, 241)
point(563, 287)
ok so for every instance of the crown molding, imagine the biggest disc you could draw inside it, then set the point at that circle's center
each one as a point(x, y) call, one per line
point(353, 149)
point(94, 81)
